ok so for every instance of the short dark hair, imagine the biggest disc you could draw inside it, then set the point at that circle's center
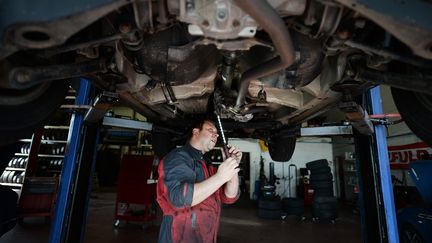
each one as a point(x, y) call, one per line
point(199, 123)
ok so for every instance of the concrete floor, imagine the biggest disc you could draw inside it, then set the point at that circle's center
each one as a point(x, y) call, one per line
point(238, 224)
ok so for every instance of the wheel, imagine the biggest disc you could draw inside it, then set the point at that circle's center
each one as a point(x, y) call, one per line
point(24, 111)
point(321, 185)
point(323, 192)
point(321, 170)
point(321, 177)
point(324, 215)
point(418, 119)
point(270, 204)
point(409, 235)
point(281, 149)
point(317, 164)
point(325, 200)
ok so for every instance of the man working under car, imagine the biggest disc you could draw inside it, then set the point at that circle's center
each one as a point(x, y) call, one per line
point(190, 190)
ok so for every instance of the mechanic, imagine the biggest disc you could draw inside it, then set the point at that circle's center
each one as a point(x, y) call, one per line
point(190, 190)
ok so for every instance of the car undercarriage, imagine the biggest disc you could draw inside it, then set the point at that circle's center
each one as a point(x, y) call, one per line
point(263, 66)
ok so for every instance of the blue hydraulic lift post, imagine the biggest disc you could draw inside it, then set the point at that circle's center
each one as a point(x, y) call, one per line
point(67, 180)
point(384, 168)
point(87, 198)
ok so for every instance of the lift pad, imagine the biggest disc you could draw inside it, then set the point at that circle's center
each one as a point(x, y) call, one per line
point(126, 123)
point(326, 131)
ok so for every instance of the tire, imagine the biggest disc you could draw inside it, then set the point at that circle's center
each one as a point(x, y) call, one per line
point(270, 204)
point(418, 119)
point(316, 164)
point(321, 170)
point(322, 185)
point(269, 214)
point(326, 215)
point(321, 177)
point(331, 207)
point(409, 234)
point(292, 203)
point(281, 149)
point(21, 120)
point(325, 200)
point(324, 193)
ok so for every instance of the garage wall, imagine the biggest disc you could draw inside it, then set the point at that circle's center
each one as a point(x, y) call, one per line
point(307, 149)
point(252, 147)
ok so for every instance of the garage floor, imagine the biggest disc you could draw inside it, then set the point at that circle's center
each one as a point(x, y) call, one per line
point(238, 224)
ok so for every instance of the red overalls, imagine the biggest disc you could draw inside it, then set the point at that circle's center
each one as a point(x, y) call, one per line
point(199, 223)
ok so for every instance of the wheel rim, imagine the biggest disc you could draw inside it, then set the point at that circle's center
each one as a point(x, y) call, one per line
point(411, 236)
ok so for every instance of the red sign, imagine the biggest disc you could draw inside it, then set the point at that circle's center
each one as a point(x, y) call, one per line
point(401, 155)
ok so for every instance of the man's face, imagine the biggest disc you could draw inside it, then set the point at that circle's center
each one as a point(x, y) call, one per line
point(208, 136)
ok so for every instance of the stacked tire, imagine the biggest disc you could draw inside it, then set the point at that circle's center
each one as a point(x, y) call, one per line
point(324, 209)
point(269, 209)
point(321, 181)
point(18, 162)
point(293, 207)
point(10, 176)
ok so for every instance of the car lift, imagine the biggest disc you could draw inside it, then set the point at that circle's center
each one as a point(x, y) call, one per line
point(73, 195)
point(377, 209)
point(378, 216)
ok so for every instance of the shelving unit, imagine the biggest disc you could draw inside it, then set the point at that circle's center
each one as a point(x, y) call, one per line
point(51, 152)
point(43, 155)
point(350, 178)
point(15, 173)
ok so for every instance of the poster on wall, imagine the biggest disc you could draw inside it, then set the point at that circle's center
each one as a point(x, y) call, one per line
point(401, 155)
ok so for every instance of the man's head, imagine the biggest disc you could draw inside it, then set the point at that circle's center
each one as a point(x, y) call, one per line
point(204, 136)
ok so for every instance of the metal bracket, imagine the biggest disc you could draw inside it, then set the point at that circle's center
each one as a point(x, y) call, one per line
point(358, 117)
point(169, 93)
point(76, 108)
point(100, 106)
point(126, 123)
point(326, 131)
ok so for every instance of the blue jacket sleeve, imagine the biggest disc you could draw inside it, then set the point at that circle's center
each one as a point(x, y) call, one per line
point(179, 178)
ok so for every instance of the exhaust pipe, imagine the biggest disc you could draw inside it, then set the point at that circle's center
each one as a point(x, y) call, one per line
point(266, 17)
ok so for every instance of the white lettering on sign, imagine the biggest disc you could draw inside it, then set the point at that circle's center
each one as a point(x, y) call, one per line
point(409, 152)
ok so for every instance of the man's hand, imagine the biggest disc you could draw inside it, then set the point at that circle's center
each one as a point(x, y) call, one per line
point(228, 169)
point(233, 153)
